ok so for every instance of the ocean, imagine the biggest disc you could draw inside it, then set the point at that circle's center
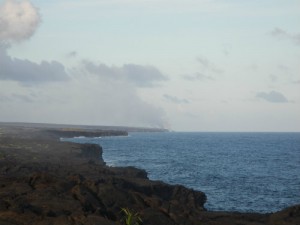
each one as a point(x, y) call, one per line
point(245, 172)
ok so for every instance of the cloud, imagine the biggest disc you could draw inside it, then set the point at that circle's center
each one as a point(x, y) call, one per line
point(296, 82)
point(23, 98)
point(72, 54)
point(13, 93)
point(4, 98)
point(197, 76)
point(25, 71)
point(273, 96)
point(18, 20)
point(273, 77)
point(226, 49)
point(79, 101)
point(282, 35)
point(277, 32)
point(191, 115)
point(87, 98)
point(94, 94)
point(174, 99)
point(284, 68)
point(139, 75)
point(208, 66)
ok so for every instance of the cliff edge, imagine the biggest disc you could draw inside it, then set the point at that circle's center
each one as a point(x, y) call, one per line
point(44, 181)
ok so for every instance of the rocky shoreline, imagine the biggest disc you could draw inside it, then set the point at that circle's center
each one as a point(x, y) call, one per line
point(44, 181)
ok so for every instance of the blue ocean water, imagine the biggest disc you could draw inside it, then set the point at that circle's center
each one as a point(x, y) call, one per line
point(246, 172)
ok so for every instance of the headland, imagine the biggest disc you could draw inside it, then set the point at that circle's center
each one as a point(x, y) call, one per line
point(45, 181)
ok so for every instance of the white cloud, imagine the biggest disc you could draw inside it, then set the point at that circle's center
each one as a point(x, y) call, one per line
point(197, 76)
point(18, 20)
point(79, 101)
point(93, 94)
point(273, 96)
point(176, 100)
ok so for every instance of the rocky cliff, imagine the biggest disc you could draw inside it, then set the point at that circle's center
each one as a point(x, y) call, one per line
point(44, 181)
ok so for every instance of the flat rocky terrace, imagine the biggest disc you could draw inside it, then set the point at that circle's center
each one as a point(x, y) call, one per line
point(44, 181)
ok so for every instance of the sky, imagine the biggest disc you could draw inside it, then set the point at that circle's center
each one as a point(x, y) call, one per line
point(193, 65)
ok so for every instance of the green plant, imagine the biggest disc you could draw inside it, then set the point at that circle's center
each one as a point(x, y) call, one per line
point(131, 218)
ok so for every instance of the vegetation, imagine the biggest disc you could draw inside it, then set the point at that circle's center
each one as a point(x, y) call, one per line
point(131, 218)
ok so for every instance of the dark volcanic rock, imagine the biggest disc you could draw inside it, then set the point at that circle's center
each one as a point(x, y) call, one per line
point(287, 216)
point(43, 182)
point(70, 133)
point(130, 172)
point(92, 152)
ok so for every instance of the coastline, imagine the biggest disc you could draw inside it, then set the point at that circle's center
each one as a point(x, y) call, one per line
point(45, 181)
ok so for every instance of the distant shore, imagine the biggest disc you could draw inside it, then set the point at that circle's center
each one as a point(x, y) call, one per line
point(45, 181)
point(83, 127)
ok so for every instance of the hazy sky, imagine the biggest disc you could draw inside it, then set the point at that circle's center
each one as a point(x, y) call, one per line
point(192, 65)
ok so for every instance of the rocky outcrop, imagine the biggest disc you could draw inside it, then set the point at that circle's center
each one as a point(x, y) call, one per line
point(48, 182)
point(56, 194)
point(25, 131)
point(92, 152)
point(287, 216)
point(43, 182)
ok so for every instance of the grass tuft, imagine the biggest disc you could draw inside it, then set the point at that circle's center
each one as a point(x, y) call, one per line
point(131, 218)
